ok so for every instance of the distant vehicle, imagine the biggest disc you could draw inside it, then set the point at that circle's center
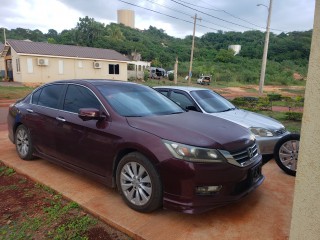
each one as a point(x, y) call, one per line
point(156, 72)
point(204, 80)
point(268, 131)
point(131, 137)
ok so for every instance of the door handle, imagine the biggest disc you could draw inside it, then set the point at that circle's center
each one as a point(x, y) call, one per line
point(29, 110)
point(61, 119)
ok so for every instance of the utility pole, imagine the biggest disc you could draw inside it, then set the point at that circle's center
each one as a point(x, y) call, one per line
point(176, 71)
point(191, 57)
point(265, 50)
point(4, 35)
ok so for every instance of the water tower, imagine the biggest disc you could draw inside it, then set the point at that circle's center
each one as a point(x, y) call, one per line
point(126, 17)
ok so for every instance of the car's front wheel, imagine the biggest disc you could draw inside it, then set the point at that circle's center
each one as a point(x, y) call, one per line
point(139, 183)
point(23, 143)
point(286, 153)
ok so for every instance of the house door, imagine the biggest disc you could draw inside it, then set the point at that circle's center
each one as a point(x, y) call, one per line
point(9, 69)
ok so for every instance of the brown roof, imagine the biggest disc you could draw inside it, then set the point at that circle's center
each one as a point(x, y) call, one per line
point(41, 48)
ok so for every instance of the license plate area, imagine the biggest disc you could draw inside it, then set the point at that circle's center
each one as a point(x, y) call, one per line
point(256, 173)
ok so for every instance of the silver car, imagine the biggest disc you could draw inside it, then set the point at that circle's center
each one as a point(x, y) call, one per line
point(267, 130)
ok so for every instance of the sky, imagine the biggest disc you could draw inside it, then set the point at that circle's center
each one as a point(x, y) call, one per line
point(175, 17)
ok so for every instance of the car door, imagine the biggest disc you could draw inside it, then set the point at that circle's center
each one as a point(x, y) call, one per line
point(184, 100)
point(41, 118)
point(84, 144)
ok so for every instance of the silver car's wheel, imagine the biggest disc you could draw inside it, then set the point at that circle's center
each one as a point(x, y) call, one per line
point(138, 183)
point(286, 153)
point(23, 143)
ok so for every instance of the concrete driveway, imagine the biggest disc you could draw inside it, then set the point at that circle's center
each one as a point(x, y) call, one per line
point(264, 214)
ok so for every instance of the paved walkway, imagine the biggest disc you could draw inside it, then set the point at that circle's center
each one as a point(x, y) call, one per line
point(264, 214)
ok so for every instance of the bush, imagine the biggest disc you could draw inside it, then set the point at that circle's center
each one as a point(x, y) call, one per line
point(295, 116)
point(274, 96)
point(171, 76)
point(146, 75)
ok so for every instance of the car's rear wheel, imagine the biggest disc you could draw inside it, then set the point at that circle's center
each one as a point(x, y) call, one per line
point(23, 143)
point(139, 183)
point(286, 153)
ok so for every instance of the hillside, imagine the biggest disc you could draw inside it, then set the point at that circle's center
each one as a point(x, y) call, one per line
point(288, 52)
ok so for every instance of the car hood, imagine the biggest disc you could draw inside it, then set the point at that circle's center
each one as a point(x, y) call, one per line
point(249, 119)
point(196, 129)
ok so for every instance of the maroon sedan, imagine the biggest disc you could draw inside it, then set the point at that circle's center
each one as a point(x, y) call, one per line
point(129, 136)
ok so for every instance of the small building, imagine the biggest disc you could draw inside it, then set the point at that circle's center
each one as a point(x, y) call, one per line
point(37, 62)
point(137, 67)
point(236, 48)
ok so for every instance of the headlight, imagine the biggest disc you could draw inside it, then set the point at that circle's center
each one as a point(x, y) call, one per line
point(262, 132)
point(192, 153)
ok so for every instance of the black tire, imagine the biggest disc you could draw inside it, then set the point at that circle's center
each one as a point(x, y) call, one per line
point(23, 143)
point(286, 153)
point(139, 183)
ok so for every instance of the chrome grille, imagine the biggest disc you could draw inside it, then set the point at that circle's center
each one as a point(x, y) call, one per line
point(244, 157)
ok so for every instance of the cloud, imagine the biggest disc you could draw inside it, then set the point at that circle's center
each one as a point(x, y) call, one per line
point(289, 15)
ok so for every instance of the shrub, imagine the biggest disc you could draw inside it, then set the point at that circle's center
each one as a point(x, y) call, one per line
point(274, 96)
point(171, 76)
point(146, 75)
point(295, 116)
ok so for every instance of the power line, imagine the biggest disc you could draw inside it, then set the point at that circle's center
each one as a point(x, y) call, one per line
point(230, 14)
point(221, 10)
point(173, 9)
point(167, 15)
point(211, 15)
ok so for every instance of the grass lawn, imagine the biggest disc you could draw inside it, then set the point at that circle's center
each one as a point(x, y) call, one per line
point(8, 92)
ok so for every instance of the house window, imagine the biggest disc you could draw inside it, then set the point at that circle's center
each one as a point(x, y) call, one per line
point(60, 66)
point(80, 65)
point(139, 68)
point(18, 64)
point(113, 68)
point(30, 65)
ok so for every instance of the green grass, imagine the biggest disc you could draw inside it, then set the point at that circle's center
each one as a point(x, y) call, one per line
point(14, 92)
point(295, 91)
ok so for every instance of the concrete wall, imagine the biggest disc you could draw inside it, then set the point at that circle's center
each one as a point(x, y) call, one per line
point(305, 222)
point(2, 67)
point(60, 68)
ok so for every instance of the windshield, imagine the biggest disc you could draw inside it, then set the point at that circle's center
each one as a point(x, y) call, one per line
point(211, 102)
point(133, 100)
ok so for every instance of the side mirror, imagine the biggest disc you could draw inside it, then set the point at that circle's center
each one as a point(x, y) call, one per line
point(87, 114)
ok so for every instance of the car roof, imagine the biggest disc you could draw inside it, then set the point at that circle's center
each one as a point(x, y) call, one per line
point(182, 88)
point(94, 82)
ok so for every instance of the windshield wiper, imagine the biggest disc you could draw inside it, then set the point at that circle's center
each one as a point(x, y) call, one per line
point(228, 109)
point(176, 112)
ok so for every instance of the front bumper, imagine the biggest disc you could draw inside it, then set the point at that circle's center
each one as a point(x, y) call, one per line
point(181, 179)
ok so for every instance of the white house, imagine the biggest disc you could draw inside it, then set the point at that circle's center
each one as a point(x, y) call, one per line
point(38, 62)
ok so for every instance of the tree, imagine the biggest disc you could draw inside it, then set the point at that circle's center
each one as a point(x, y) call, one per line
point(88, 31)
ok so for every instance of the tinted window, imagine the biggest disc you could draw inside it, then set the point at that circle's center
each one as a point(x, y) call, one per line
point(133, 100)
point(163, 92)
point(211, 102)
point(35, 96)
point(181, 99)
point(49, 96)
point(79, 97)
